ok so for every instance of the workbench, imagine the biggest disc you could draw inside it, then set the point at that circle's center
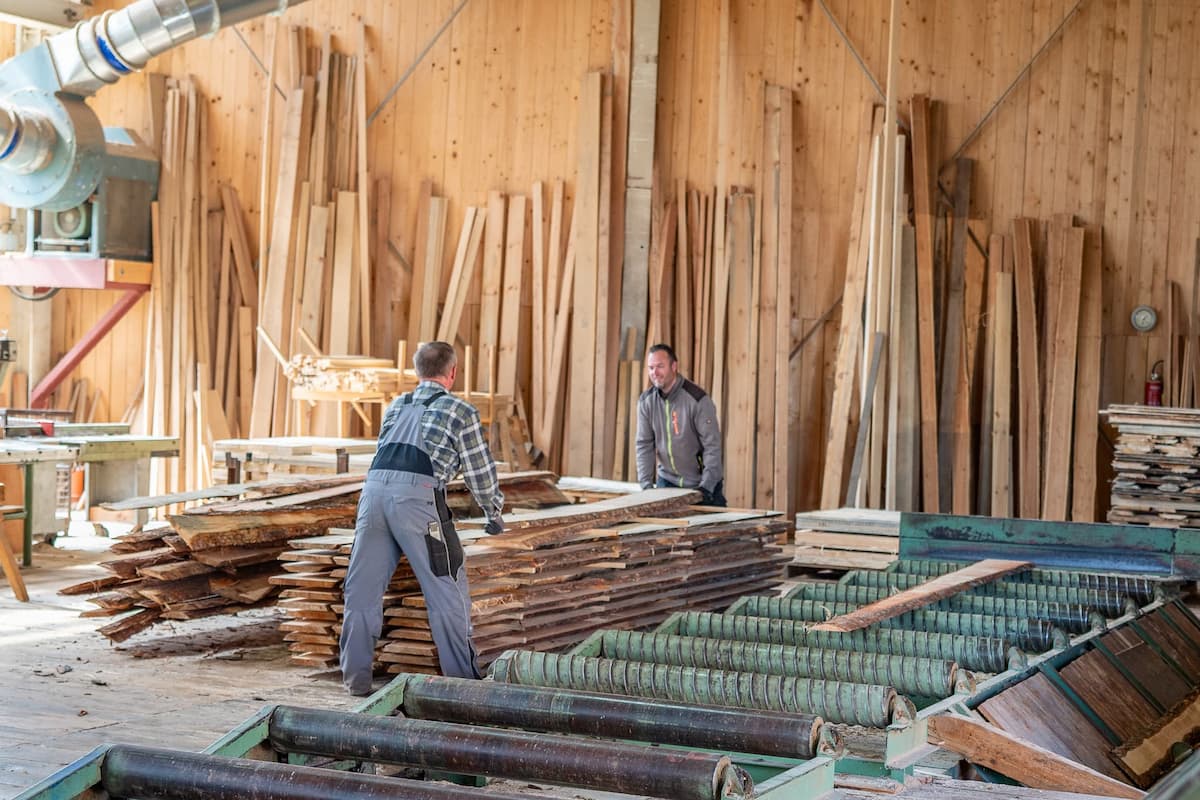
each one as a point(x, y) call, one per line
point(118, 467)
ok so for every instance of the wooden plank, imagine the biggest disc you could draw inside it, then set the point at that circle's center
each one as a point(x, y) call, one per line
point(1002, 313)
point(490, 292)
point(1087, 386)
point(1036, 711)
point(538, 357)
point(785, 306)
point(850, 332)
point(422, 319)
point(507, 352)
point(1151, 754)
point(1038, 768)
point(462, 274)
point(927, 353)
point(311, 298)
point(340, 335)
point(954, 353)
point(245, 343)
point(581, 388)
point(1061, 393)
point(277, 280)
point(854, 486)
point(977, 574)
point(364, 193)
point(740, 417)
point(1029, 417)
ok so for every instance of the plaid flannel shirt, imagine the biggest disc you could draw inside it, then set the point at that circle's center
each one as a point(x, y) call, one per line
point(455, 443)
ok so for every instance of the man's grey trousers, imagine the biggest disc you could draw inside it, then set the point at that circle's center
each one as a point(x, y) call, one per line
point(395, 512)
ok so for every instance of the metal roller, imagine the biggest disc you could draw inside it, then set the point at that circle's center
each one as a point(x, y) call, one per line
point(1035, 635)
point(976, 653)
point(1111, 604)
point(1143, 590)
point(835, 701)
point(609, 716)
point(909, 676)
point(503, 753)
point(151, 773)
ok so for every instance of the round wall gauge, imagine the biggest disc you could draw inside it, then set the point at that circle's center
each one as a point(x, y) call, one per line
point(1143, 319)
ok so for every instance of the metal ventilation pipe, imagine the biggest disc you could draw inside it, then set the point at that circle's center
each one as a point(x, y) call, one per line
point(102, 49)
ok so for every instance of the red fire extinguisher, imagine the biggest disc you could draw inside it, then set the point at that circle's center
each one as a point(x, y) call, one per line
point(1154, 386)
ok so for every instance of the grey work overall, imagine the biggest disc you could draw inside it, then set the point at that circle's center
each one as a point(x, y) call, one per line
point(403, 510)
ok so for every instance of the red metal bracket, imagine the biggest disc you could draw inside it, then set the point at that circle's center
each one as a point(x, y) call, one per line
point(41, 393)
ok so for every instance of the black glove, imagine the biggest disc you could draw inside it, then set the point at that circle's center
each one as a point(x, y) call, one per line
point(494, 526)
point(706, 497)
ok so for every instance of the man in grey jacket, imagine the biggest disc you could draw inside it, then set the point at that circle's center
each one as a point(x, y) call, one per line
point(678, 429)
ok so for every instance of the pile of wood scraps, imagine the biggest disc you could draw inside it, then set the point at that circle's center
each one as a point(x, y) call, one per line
point(219, 558)
point(846, 538)
point(554, 577)
point(1156, 462)
point(212, 559)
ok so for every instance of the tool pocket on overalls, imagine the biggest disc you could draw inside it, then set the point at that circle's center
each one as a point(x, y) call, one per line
point(445, 550)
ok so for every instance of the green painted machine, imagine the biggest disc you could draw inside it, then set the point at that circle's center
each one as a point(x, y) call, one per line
point(748, 703)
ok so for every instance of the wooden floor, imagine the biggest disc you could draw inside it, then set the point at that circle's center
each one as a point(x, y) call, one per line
point(65, 689)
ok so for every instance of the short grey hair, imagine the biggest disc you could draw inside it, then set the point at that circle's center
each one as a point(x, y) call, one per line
point(434, 360)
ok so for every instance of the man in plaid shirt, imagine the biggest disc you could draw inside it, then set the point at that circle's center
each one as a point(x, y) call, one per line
point(428, 436)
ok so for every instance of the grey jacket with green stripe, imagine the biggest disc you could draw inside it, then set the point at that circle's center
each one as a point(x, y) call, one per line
point(680, 431)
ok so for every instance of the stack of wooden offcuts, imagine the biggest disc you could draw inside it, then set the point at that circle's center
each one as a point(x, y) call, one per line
point(1156, 462)
point(349, 375)
point(846, 538)
point(554, 577)
point(221, 558)
point(213, 559)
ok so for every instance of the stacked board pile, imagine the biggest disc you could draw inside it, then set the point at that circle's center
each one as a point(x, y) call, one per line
point(1156, 466)
point(269, 457)
point(348, 374)
point(846, 538)
point(220, 558)
point(552, 579)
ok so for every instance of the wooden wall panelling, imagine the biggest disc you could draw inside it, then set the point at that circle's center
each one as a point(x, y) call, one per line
point(1060, 406)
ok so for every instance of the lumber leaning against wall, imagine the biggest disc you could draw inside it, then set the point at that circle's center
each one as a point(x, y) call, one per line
point(493, 106)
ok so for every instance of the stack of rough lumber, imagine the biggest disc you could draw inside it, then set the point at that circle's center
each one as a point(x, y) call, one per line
point(846, 538)
point(220, 558)
point(269, 457)
point(1156, 462)
point(552, 578)
point(213, 559)
point(346, 374)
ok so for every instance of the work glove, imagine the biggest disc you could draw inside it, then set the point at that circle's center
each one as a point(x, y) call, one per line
point(706, 497)
point(494, 526)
